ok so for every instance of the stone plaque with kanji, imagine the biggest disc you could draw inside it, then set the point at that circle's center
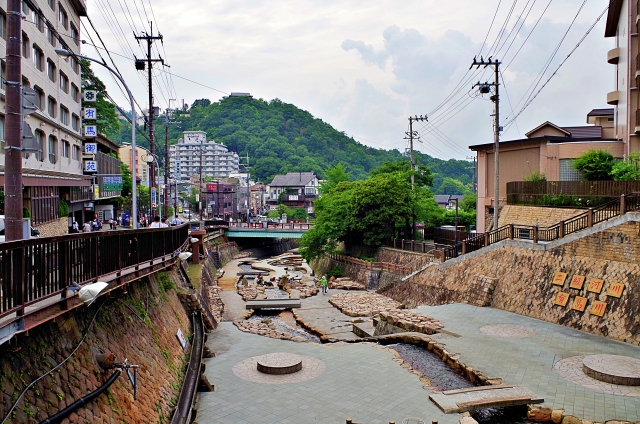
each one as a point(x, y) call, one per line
point(598, 308)
point(559, 278)
point(579, 303)
point(595, 285)
point(561, 299)
point(615, 289)
point(576, 282)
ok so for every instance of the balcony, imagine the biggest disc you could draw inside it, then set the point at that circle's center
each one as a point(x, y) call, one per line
point(613, 97)
point(613, 55)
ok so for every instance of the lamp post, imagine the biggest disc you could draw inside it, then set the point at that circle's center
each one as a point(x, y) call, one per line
point(134, 206)
point(456, 233)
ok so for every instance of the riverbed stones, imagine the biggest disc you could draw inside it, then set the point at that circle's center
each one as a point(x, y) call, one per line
point(345, 283)
point(267, 329)
point(411, 321)
point(362, 304)
point(251, 292)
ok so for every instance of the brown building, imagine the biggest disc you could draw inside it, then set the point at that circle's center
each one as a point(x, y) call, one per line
point(548, 149)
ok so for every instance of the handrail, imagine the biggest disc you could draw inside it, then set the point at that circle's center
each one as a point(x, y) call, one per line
point(378, 266)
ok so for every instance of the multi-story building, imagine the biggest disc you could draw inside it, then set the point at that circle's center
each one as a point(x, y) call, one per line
point(142, 167)
point(622, 25)
point(296, 189)
point(194, 150)
point(54, 172)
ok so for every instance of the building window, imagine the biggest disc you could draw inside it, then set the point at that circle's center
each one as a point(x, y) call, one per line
point(51, 36)
point(39, 97)
point(1, 134)
point(76, 153)
point(51, 106)
point(74, 64)
point(3, 71)
point(53, 149)
point(25, 8)
point(52, 4)
point(64, 115)
point(25, 46)
point(75, 93)
point(3, 24)
point(75, 122)
point(64, 82)
point(568, 172)
point(38, 58)
point(38, 135)
point(65, 149)
point(51, 70)
point(63, 17)
point(75, 34)
point(37, 20)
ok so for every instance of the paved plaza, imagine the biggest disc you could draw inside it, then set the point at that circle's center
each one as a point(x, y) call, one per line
point(540, 361)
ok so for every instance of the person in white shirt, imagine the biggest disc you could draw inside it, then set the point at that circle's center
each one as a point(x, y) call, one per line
point(156, 222)
point(176, 221)
point(163, 222)
point(87, 227)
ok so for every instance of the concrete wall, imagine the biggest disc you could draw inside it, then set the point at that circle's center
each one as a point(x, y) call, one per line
point(140, 325)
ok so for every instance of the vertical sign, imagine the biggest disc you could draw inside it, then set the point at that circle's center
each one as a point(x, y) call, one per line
point(154, 202)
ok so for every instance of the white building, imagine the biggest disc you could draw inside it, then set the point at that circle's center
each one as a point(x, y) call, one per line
point(194, 149)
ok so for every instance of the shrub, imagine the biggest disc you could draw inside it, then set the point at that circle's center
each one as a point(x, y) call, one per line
point(627, 170)
point(63, 209)
point(535, 176)
point(595, 165)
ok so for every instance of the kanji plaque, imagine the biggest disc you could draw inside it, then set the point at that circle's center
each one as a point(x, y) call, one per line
point(598, 308)
point(576, 282)
point(615, 289)
point(561, 299)
point(595, 285)
point(559, 278)
point(579, 303)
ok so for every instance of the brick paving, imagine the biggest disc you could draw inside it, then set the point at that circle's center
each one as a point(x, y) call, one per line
point(530, 361)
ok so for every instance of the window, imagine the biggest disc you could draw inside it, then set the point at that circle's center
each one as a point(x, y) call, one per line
point(37, 20)
point(3, 72)
point(64, 115)
point(64, 82)
point(51, 36)
point(53, 149)
point(38, 135)
point(65, 149)
point(39, 97)
point(75, 92)
point(75, 34)
point(25, 46)
point(25, 8)
point(568, 172)
point(51, 106)
point(74, 64)
point(3, 24)
point(76, 153)
point(52, 4)
point(51, 70)
point(75, 122)
point(1, 134)
point(38, 58)
point(63, 17)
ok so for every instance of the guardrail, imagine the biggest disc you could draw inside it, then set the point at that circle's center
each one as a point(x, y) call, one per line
point(371, 266)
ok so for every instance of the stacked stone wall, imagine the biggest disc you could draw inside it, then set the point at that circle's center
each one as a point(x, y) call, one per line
point(54, 228)
point(520, 279)
point(532, 215)
point(140, 325)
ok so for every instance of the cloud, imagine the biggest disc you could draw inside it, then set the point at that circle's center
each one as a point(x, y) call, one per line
point(366, 51)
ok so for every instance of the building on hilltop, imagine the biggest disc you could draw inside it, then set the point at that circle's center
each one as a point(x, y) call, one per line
point(55, 171)
point(194, 150)
point(296, 189)
point(548, 149)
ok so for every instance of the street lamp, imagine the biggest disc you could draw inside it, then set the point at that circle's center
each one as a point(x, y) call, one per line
point(134, 207)
point(456, 233)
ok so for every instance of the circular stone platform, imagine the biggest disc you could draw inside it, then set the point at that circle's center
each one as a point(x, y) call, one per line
point(279, 363)
point(248, 370)
point(613, 369)
point(571, 369)
point(508, 331)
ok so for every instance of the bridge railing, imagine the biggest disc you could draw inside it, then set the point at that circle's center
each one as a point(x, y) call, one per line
point(271, 225)
point(36, 269)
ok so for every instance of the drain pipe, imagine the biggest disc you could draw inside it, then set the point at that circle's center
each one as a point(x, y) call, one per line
point(83, 400)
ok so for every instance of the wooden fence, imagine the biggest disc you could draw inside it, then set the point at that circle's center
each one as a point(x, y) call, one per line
point(567, 193)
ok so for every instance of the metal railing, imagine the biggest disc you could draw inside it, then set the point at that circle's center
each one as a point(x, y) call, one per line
point(37, 269)
point(372, 266)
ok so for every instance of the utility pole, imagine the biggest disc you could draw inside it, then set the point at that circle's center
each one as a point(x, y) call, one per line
point(495, 98)
point(140, 65)
point(13, 120)
point(166, 158)
point(410, 136)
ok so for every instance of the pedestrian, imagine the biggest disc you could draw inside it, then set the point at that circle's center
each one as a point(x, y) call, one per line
point(163, 222)
point(111, 223)
point(87, 226)
point(75, 228)
point(176, 221)
point(156, 222)
point(324, 284)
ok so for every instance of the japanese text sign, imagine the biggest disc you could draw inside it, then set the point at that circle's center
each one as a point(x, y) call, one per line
point(559, 278)
point(576, 282)
point(579, 303)
point(89, 113)
point(615, 289)
point(91, 131)
point(598, 308)
point(90, 148)
point(595, 285)
point(90, 166)
point(562, 299)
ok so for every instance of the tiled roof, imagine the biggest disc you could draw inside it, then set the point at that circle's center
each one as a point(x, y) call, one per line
point(293, 179)
point(444, 198)
point(601, 112)
point(585, 131)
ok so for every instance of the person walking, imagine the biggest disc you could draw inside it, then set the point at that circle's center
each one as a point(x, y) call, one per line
point(75, 228)
point(87, 227)
point(163, 222)
point(324, 284)
point(176, 221)
point(156, 222)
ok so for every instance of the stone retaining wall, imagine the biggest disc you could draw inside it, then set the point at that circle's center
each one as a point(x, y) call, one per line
point(54, 228)
point(533, 215)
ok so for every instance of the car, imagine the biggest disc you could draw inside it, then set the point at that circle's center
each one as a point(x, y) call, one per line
point(34, 233)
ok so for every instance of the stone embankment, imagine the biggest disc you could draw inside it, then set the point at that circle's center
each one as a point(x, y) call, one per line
point(251, 292)
point(296, 288)
point(266, 328)
point(545, 414)
point(363, 304)
point(346, 283)
point(411, 321)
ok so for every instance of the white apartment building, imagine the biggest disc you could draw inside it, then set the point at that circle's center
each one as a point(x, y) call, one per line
point(55, 172)
point(194, 149)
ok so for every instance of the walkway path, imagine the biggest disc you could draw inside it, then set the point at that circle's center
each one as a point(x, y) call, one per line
point(234, 308)
point(527, 351)
point(322, 318)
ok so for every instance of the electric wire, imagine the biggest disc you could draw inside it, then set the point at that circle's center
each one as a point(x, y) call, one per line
point(529, 35)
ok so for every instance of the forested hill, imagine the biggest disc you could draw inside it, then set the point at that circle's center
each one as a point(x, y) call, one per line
point(281, 138)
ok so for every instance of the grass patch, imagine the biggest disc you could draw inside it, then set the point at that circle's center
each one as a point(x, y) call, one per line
point(195, 274)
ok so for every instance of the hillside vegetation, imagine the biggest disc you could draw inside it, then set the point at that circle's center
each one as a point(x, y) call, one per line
point(280, 138)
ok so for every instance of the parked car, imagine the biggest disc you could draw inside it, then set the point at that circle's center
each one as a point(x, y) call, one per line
point(34, 232)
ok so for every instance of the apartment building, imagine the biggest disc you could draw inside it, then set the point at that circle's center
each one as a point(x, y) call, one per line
point(55, 171)
point(194, 150)
point(142, 167)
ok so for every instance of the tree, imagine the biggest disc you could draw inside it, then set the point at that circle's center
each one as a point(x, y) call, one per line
point(453, 186)
point(595, 165)
point(201, 103)
point(334, 176)
point(107, 119)
point(422, 174)
point(468, 203)
point(535, 176)
point(628, 169)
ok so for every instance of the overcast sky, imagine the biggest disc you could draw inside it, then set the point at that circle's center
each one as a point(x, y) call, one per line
point(364, 67)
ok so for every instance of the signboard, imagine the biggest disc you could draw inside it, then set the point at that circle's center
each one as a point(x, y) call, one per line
point(559, 278)
point(88, 206)
point(89, 113)
point(89, 95)
point(91, 131)
point(595, 285)
point(181, 339)
point(561, 299)
point(90, 166)
point(598, 308)
point(154, 197)
point(615, 290)
point(180, 207)
point(96, 191)
point(90, 148)
point(579, 303)
point(576, 282)
point(112, 183)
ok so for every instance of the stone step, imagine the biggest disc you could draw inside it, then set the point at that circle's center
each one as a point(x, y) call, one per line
point(273, 303)
point(364, 329)
point(497, 396)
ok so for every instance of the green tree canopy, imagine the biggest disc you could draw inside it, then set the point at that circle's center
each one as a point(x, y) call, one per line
point(334, 176)
point(628, 169)
point(422, 174)
point(595, 165)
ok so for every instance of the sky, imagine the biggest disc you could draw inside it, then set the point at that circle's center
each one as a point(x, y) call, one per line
point(365, 67)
